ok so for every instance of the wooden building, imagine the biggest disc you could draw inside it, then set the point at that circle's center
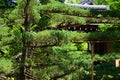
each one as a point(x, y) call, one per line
point(100, 47)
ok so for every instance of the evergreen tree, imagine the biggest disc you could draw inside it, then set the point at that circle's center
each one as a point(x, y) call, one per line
point(52, 51)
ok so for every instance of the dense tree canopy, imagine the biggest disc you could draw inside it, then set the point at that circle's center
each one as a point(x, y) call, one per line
point(28, 49)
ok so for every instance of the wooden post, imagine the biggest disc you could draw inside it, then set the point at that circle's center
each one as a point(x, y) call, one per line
point(92, 58)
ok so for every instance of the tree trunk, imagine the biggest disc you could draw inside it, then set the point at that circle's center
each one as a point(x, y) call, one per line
point(25, 42)
point(23, 61)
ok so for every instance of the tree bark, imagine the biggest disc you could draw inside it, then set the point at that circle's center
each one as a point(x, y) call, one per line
point(23, 61)
point(24, 41)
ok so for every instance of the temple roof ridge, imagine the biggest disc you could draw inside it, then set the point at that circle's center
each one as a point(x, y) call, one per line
point(85, 5)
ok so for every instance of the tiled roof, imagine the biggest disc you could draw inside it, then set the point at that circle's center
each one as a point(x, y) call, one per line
point(86, 6)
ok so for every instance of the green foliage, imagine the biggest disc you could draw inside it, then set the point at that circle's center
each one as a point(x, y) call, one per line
point(62, 8)
point(116, 46)
point(83, 46)
point(75, 65)
point(43, 21)
point(111, 56)
point(109, 27)
point(94, 36)
point(1, 21)
point(64, 59)
point(73, 36)
point(18, 12)
point(29, 36)
point(4, 31)
point(106, 71)
point(101, 2)
point(47, 1)
point(114, 4)
point(103, 27)
point(17, 31)
point(73, 1)
point(43, 34)
point(52, 20)
point(5, 36)
point(5, 65)
point(4, 15)
point(63, 36)
point(66, 48)
point(14, 15)
point(3, 3)
point(14, 49)
point(75, 11)
point(65, 20)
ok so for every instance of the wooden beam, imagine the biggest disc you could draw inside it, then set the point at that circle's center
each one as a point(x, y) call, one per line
point(92, 58)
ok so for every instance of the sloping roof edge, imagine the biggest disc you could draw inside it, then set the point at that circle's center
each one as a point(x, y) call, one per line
point(86, 6)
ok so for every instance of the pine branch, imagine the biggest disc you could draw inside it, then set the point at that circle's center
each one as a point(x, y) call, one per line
point(63, 75)
point(29, 75)
point(13, 23)
point(11, 43)
point(64, 9)
point(40, 65)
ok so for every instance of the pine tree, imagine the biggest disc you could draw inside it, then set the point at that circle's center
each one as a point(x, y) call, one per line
point(61, 58)
point(29, 13)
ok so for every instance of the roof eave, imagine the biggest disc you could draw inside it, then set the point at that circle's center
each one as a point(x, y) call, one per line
point(97, 7)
